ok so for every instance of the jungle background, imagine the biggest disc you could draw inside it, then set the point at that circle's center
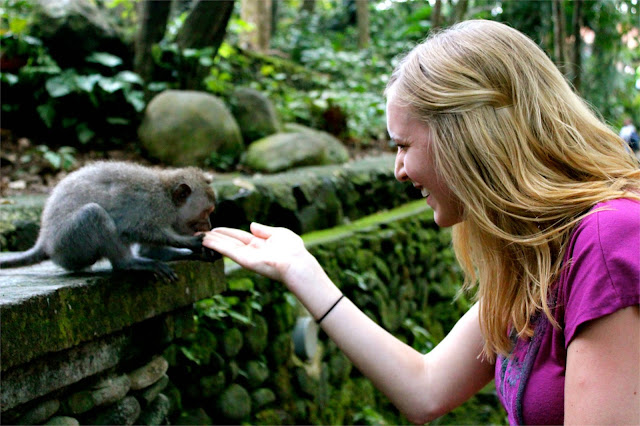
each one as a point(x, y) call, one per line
point(323, 64)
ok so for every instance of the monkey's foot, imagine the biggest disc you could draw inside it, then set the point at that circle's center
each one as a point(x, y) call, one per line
point(160, 270)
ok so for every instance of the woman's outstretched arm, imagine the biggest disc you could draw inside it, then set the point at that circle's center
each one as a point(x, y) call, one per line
point(423, 387)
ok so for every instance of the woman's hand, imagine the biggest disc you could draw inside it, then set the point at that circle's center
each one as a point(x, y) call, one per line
point(276, 253)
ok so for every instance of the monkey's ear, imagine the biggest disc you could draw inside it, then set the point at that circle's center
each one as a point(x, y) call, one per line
point(180, 194)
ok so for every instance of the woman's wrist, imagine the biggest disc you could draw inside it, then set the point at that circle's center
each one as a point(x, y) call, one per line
point(306, 279)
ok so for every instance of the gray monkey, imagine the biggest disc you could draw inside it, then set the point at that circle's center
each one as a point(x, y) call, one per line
point(102, 209)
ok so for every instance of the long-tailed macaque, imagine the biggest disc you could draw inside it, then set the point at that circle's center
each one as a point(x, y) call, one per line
point(102, 209)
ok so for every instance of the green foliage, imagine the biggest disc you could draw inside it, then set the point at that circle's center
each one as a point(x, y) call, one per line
point(323, 66)
point(62, 159)
point(56, 160)
point(100, 103)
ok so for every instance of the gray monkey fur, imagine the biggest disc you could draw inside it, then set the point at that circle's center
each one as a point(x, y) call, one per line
point(103, 208)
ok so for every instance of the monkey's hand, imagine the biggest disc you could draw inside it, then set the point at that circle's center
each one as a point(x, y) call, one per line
point(193, 242)
point(204, 253)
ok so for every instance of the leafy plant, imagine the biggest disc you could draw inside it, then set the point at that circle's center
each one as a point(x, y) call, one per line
point(61, 159)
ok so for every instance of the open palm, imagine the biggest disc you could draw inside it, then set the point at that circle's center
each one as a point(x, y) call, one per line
point(266, 250)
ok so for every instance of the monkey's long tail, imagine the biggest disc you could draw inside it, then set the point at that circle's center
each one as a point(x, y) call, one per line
point(30, 257)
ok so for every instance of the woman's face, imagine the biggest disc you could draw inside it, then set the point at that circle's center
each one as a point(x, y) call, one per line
point(415, 163)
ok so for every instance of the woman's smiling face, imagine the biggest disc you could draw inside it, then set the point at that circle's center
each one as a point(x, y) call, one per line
point(415, 163)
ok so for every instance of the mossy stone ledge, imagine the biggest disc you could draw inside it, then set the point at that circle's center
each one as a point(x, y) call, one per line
point(59, 328)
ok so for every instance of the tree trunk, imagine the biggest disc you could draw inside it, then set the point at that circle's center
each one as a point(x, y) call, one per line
point(205, 26)
point(558, 33)
point(275, 9)
point(576, 60)
point(258, 14)
point(362, 14)
point(308, 6)
point(153, 22)
point(460, 10)
point(436, 15)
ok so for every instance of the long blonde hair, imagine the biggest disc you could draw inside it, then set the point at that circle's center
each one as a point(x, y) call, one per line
point(525, 155)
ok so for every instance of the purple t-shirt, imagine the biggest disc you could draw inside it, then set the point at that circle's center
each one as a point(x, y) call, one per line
point(602, 277)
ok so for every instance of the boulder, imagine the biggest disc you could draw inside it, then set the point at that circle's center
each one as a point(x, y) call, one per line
point(124, 412)
point(235, 403)
point(337, 153)
point(254, 113)
point(74, 29)
point(186, 128)
point(295, 147)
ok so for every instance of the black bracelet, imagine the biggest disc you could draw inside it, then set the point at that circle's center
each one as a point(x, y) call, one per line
point(330, 309)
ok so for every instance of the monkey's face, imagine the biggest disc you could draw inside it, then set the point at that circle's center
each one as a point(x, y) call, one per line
point(201, 223)
point(195, 211)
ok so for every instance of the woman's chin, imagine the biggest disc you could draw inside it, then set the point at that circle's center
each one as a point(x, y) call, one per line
point(445, 220)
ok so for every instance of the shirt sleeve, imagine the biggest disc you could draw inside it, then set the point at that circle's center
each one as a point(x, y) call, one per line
point(603, 273)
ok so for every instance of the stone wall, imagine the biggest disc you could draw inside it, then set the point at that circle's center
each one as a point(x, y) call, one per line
point(86, 348)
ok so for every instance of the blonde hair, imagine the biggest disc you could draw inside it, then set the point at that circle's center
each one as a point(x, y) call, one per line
point(525, 155)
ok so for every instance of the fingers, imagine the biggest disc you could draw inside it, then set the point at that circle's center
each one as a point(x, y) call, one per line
point(261, 231)
point(237, 234)
point(221, 242)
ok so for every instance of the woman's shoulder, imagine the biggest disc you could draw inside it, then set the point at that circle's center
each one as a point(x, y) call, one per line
point(610, 236)
point(611, 221)
point(602, 264)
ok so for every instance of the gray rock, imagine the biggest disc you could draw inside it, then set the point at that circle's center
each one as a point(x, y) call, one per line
point(40, 412)
point(156, 412)
point(257, 373)
point(185, 128)
point(78, 403)
point(297, 146)
point(77, 23)
point(149, 394)
point(110, 390)
point(212, 385)
point(336, 151)
point(232, 342)
point(63, 421)
point(256, 336)
point(235, 403)
point(148, 374)
point(283, 151)
point(307, 383)
point(261, 397)
point(125, 412)
point(254, 113)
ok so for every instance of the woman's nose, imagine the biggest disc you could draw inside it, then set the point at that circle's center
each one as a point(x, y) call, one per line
point(399, 172)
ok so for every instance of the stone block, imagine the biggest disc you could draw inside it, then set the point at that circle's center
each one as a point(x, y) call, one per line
point(63, 421)
point(110, 390)
point(149, 373)
point(235, 403)
point(47, 309)
point(40, 413)
point(156, 412)
point(125, 412)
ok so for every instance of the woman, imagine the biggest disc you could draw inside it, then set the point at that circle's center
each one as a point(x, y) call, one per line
point(545, 205)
